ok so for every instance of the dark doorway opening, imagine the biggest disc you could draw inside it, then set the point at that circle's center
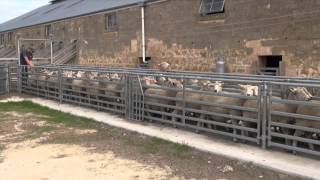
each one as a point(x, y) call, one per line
point(146, 63)
point(270, 65)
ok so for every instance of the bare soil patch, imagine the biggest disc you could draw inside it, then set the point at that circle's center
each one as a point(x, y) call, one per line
point(39, 143)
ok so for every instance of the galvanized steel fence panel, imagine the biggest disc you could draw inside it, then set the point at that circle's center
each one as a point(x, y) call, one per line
point(256, 119)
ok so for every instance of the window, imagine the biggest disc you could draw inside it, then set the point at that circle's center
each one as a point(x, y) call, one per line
point(48, 30)
point(111, 22)
point(10, 34)
point(211, 6)
point(2, 39)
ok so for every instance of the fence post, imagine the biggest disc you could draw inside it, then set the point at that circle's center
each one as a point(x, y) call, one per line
point(60, 85)
point(7, 79)
point(184, 102)
point(264, 114)
point(19, 70)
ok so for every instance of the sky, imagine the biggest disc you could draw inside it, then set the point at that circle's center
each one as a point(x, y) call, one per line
point(10, 9)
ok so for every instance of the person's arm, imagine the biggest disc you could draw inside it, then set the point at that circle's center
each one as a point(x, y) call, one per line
point(29, 62)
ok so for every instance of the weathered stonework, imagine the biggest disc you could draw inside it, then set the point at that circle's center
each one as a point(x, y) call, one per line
point(178, 34)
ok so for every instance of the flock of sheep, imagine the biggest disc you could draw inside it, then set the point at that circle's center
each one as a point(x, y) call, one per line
point(163, 98)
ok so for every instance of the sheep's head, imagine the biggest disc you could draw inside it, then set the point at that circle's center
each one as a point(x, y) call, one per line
point(192, 81)
point(104, 76)
point(209, 86)
point(249, 90)
point(174, 83)
point(149, 81)
point(164, 66)
point(68, 74)
point(161, 80)
point(44, 71)
point(79, 74)
point(216, 86)
point(91, 75)
point(51, 73)
point(299, 94)
point(114, 77)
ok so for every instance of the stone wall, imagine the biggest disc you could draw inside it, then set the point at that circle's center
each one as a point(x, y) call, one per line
point(178, 34)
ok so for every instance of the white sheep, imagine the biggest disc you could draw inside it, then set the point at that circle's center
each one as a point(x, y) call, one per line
point(225, 99)
point(161, 92)
point(190, 97)
point(291, 94)
point(309, 111)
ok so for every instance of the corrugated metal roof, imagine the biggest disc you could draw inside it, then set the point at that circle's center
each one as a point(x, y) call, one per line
point(64, 9)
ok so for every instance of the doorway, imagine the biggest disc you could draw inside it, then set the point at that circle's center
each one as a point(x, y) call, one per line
point(270, 65)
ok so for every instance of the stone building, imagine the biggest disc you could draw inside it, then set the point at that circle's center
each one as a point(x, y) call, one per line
point(253, 36)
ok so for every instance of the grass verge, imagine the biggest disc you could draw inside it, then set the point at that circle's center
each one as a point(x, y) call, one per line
point(50, 115)
point(149, 145)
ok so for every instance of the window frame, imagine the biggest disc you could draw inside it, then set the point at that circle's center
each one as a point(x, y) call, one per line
point(10, 36)
point(2, 39)
point(48, 30)
point(114, 26)
point(210, 12)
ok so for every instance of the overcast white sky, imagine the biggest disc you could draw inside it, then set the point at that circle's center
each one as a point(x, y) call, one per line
point(10, 9)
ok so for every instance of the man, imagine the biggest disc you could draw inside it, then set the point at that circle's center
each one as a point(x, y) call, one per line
point(26, 57)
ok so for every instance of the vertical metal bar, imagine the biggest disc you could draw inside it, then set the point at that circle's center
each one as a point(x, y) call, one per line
point(269, 117)
point(264, 118)
point(7, 79)
point(136, 99)
point(19, 70)
point(19, 63)
point(260, 110)
point(183, 101)
point(60, 85)
point(51, 51)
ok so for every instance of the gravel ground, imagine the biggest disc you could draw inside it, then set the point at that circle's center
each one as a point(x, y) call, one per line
point(35, 145)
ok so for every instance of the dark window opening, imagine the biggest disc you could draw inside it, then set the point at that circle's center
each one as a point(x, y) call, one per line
point(270, 65)
point(211, 7)
point(48, 30)
point(10, 34)
point(2, 39)
point(111, 22)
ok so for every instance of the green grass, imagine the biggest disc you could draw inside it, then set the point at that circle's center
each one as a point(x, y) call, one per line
point(51, 115)
point(150, 145)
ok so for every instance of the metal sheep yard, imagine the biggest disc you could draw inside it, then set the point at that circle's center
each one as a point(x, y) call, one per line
point(275, 117)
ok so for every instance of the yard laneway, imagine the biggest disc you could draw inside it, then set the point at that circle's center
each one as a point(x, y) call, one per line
point(39, 143)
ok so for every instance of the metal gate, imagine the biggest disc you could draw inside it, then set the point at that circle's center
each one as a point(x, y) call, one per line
point(293, 124)
point(4, 82)
point(135, 98)
point(267, 118)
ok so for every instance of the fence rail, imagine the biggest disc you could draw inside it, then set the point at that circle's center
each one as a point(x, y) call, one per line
point(279, 112)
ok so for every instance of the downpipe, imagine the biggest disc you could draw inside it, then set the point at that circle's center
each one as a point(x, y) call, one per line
point(143, 38)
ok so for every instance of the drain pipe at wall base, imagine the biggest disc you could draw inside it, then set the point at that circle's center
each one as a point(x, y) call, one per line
point(143, 38)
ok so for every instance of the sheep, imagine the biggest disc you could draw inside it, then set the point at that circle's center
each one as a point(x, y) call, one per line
point(193, 96)
point(161, 92)
point(291, 94)
point(247, 90)
point(38, 79)
point(67, 79)
point(310, 111)
point(111, 86)
point(53, 82)
point(164, 66)
point(92, 83)
point(78, 82)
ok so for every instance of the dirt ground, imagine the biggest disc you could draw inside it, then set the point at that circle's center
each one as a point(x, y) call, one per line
point(38, 143)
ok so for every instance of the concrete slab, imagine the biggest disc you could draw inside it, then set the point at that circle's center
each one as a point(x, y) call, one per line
point(279, 161)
